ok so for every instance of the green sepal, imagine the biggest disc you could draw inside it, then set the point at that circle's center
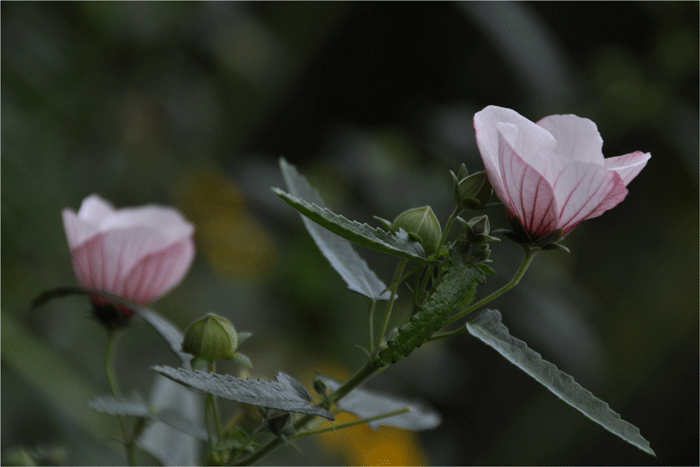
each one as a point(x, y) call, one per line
point(241, 359)
point(486, 269)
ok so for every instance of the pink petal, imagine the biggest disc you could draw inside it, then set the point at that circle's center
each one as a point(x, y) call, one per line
point(93, 209)
point(157, 274)
point(628, 165)
point(77, 230)
point(530, 141)
point(584, 191)
point(132, 263)
point(530, 197)
point(167, 221)
point(577, 138)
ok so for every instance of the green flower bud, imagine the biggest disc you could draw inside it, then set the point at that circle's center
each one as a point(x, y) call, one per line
point(480, 225)
point(472, 191)
point(422, 224)
point(211, 338)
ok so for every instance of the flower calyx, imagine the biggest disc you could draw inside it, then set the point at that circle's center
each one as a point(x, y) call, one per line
point(212, 338)
point(471, 192)
point(519, 235)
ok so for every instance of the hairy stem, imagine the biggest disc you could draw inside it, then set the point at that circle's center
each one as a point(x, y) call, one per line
point(513, 282)
point(356, 380)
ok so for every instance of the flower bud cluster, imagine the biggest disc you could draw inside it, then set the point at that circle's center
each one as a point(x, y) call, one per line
point(473, 244)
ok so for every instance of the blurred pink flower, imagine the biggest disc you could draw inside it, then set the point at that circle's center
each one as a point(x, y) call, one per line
point(551, 174)
point(136, 253)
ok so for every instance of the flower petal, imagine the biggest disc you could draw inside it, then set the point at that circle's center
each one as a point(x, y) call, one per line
point(77, 230)
point(528, 139)
point(156, 274)
point(164, 220)
point(628, 165)
point(132, 263)
point(530, 197)
point(584, 191)
point(577, 138)
point(93, 209)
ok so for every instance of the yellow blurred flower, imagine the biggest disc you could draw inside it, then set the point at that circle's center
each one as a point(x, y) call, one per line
point(234, 243)
point(361, 445)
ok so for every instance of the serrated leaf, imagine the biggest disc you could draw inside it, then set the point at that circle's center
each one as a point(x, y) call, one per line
point(284, 394)
point(133, 407)
point(365, 404)
point(337, 250)
point(487, 327)
point(397, 244)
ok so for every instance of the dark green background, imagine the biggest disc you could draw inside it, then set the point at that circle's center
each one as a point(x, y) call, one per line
point(374, 102)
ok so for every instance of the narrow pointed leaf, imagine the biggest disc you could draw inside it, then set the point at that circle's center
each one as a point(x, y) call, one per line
point(282, 394)
point(365, 404)
point(162, 326)
point(167, 330)
point(487, 327)
point(133, 407)
point(176, 420)
point(399, 244)
point(337, 250)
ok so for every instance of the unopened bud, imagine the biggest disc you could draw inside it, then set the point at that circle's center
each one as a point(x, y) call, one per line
point(421, 223)
point(211, 338)
point(473, 191)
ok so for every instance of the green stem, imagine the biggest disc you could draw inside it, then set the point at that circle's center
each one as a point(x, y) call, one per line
point(211, 404)
point(394, 286)
point(371, 325)
point(114, 387)
point(340, 426)
point(518, 275)
point(357, 379)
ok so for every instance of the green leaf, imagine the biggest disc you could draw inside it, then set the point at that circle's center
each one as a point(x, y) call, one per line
point(175, 420)
point(365, 404)
point(456, 288)
point(133, 407)
point(397, 244)
point(162, 326)
point(167, 330)
point(136, 407)
point(487, 327)
point(173, 436)
point(337, 250)
point(285, 393)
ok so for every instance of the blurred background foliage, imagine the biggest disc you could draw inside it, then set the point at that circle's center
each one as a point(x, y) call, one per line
point(191, 104)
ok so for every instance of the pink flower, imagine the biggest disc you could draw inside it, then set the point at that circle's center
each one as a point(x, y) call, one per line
point(551, 174)
point(136, 253)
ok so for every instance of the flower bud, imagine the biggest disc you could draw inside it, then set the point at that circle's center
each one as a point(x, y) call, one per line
point(473, 191)
point(422, 224)
point(211, 338)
